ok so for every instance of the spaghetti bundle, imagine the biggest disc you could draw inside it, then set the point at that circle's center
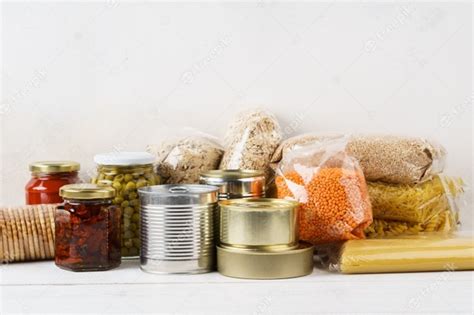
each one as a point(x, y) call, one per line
point(427, 252)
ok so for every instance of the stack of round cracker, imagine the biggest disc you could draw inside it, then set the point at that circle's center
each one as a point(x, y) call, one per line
point(27, 233)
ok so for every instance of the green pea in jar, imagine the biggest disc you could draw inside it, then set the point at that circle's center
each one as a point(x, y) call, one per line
point(126, 172)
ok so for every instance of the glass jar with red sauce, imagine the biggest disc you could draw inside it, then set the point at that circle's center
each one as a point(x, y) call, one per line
point(87, 228)
point(47, 177)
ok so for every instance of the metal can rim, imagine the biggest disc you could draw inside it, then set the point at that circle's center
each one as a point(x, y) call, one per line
point(244, 264)
point(232, 174)
point(246, 204)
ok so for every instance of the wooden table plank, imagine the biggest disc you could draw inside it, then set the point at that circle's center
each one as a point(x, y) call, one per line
point(42, 287)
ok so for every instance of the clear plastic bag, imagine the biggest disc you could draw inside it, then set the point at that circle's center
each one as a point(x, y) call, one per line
point(182, 161)
point(331, 190)
point(296, 142)
point(386, 158)
point(443, 222)
point(425, 252)
point(250, 141)
point(401, 209)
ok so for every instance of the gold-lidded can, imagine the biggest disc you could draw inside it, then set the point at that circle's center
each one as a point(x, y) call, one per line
point(264, 224)
point(239, 263)
point(234, 184)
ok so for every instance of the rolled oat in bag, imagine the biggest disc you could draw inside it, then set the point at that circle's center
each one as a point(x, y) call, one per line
point(182, 161)
point(250, 141)
point(331, 189)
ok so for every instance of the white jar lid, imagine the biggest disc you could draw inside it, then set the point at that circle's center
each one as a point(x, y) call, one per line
point(124, 158)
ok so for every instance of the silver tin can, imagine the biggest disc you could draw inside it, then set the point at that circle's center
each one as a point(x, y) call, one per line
point(236, 184)
point(177, 228)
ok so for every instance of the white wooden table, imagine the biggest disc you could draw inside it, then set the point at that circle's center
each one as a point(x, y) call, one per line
point(41, 287)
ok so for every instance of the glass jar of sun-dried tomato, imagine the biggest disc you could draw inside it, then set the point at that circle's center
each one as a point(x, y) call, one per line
point(87, 225)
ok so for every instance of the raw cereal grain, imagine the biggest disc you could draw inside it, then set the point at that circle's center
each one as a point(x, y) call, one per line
point(183, 161)
point(394, 159)
point(385, 158)
point(250, 142)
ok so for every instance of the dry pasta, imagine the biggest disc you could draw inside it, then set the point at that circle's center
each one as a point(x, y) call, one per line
point(415, 203)
point(425, 252)
point(380, 228)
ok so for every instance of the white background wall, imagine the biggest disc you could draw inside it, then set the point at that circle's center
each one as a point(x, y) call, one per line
point(83, 78)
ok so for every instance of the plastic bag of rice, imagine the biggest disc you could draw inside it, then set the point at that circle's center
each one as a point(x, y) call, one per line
point(385, 158)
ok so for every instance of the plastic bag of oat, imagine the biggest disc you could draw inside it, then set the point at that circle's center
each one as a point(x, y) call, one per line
point(182, 160)
point(250, 141)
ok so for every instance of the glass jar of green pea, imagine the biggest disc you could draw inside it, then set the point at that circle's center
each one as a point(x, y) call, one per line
point(126, 172)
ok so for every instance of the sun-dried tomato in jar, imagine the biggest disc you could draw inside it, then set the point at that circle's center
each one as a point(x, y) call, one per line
point(88, 236)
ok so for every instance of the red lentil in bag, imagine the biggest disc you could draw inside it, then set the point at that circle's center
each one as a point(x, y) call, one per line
point(331, 189)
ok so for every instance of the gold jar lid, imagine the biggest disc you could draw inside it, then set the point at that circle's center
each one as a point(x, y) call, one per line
point(292, 263)
point(259, 224)
point(86, 191)
point(54, 167)
point(236, 183)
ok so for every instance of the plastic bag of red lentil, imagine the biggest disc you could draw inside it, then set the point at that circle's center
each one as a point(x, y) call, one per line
point(330, 186)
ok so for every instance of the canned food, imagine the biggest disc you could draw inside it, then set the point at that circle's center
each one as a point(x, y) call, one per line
point(259, 224)
point(235, 184)
point(246, 264)
point(177, 228)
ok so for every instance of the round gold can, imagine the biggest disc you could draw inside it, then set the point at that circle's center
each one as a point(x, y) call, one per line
point(259, 224)
point(247, 264)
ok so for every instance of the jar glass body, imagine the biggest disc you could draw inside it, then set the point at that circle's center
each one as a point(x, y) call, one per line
point(126, 180)
point(88, 235)
point(43, 188)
